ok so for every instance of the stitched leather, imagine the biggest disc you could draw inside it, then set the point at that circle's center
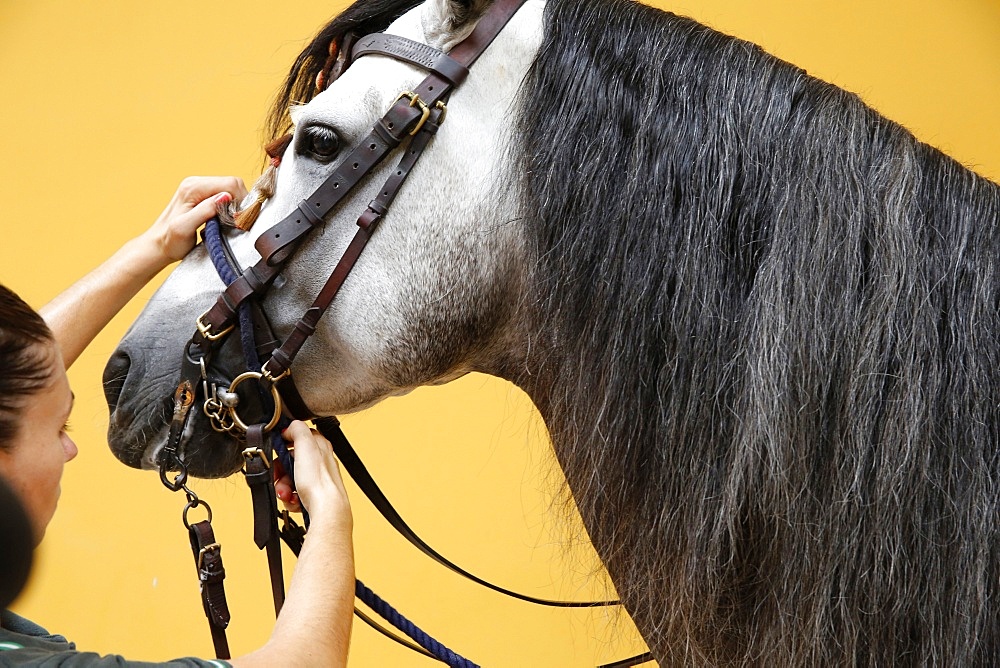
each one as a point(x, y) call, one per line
point(278, 243)
point(259, 477)
point(281, 359)
point(412, 52)
point(208, 561)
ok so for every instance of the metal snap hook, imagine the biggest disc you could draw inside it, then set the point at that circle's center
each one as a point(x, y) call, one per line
point(179, 480)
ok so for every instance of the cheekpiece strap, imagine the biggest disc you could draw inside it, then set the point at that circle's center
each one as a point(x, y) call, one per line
point(208, 561)
point(257, 470)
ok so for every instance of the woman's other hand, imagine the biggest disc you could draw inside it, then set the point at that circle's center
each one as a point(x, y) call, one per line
point(320, 488)
point(314, 627)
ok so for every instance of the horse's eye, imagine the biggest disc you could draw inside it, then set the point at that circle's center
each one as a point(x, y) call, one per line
point(319, 142)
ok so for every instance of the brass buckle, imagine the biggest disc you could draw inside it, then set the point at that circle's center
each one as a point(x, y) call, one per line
point(214, 547)
point(415, 101)
point(265, 374)
point(250, 453)
point(206, 330)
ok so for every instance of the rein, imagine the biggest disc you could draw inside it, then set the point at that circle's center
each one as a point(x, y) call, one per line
point(416, 115)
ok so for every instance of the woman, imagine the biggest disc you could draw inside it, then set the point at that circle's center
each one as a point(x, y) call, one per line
point(35, 403)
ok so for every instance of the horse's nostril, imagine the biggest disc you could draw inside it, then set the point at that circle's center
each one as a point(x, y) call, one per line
point(114, 377)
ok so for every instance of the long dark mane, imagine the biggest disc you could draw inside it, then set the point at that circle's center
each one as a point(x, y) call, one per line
point(771, 368)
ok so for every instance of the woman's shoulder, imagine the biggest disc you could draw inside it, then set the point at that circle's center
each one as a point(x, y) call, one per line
point(15, 629)
point(24, 643)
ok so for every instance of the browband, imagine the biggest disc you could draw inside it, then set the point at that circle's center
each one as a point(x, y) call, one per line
point(415, 53)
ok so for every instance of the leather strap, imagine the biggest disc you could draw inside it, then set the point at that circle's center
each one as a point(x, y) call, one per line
point(330, 428)
point(281, 359)
point(467, 52)
point(645, 657)
point(259, 477)
point(197, 353)
point(278, 243)
point(389, 131)
point(208, 561)
point(415, 53)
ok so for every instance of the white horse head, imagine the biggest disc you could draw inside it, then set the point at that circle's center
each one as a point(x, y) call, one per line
point(431, 298)
point(759, 320)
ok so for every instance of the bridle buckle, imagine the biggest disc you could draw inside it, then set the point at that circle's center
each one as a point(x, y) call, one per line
point(265, 374)
point(415, 101)
point(206, 330)
point(214, 547)
point(250, 453)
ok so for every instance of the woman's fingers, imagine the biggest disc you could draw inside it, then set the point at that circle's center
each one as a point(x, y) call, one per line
point(193, 204)
point(196, 189)
point(317, 474)
point(284, 489)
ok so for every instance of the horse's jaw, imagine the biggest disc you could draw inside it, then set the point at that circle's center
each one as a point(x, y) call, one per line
point(141, 376)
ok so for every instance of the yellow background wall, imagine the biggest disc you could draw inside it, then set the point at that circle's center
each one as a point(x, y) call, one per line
point(104, 107)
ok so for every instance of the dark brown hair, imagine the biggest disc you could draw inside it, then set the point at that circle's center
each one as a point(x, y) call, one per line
point(23, 359)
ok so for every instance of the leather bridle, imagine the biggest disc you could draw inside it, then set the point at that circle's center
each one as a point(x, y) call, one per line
point(415, 115)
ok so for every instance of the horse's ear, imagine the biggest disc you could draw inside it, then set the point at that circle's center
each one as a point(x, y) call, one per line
point(447, 22)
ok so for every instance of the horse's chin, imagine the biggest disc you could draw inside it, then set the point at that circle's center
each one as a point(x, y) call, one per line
point(206, 453)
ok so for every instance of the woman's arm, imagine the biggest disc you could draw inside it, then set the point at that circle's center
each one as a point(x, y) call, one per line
point(77, 315)
point(314, 627)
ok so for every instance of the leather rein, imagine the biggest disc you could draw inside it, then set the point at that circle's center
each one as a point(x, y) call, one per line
point(415, 115)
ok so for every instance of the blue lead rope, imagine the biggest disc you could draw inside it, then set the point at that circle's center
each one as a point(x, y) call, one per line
point(391, 615)
point(213, 242)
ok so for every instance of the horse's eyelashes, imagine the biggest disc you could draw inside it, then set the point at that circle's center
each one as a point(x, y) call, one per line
point(318, 142)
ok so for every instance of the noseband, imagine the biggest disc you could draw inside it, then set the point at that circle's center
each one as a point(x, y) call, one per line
point(415, 116)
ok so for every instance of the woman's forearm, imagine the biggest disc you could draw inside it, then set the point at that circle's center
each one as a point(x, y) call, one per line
point(77, 315)
point(314, 627)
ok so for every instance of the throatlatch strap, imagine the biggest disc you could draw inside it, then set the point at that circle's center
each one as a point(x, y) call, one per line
point(208, 561)
point(259, 477)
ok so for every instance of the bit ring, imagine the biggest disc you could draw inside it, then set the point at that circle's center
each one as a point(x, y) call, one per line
point(275, 396)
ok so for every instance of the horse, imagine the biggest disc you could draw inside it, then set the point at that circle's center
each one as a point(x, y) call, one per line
point(759, 319)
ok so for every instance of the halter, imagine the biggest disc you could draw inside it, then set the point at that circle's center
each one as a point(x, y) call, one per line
point(415, 115)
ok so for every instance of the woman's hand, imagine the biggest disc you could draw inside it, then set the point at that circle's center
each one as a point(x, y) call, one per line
point(173, 235)
point(314, 627)
point(83, 310)
point(317, 478)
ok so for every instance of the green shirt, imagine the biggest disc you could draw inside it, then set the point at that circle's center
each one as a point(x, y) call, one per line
point(24, 643)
